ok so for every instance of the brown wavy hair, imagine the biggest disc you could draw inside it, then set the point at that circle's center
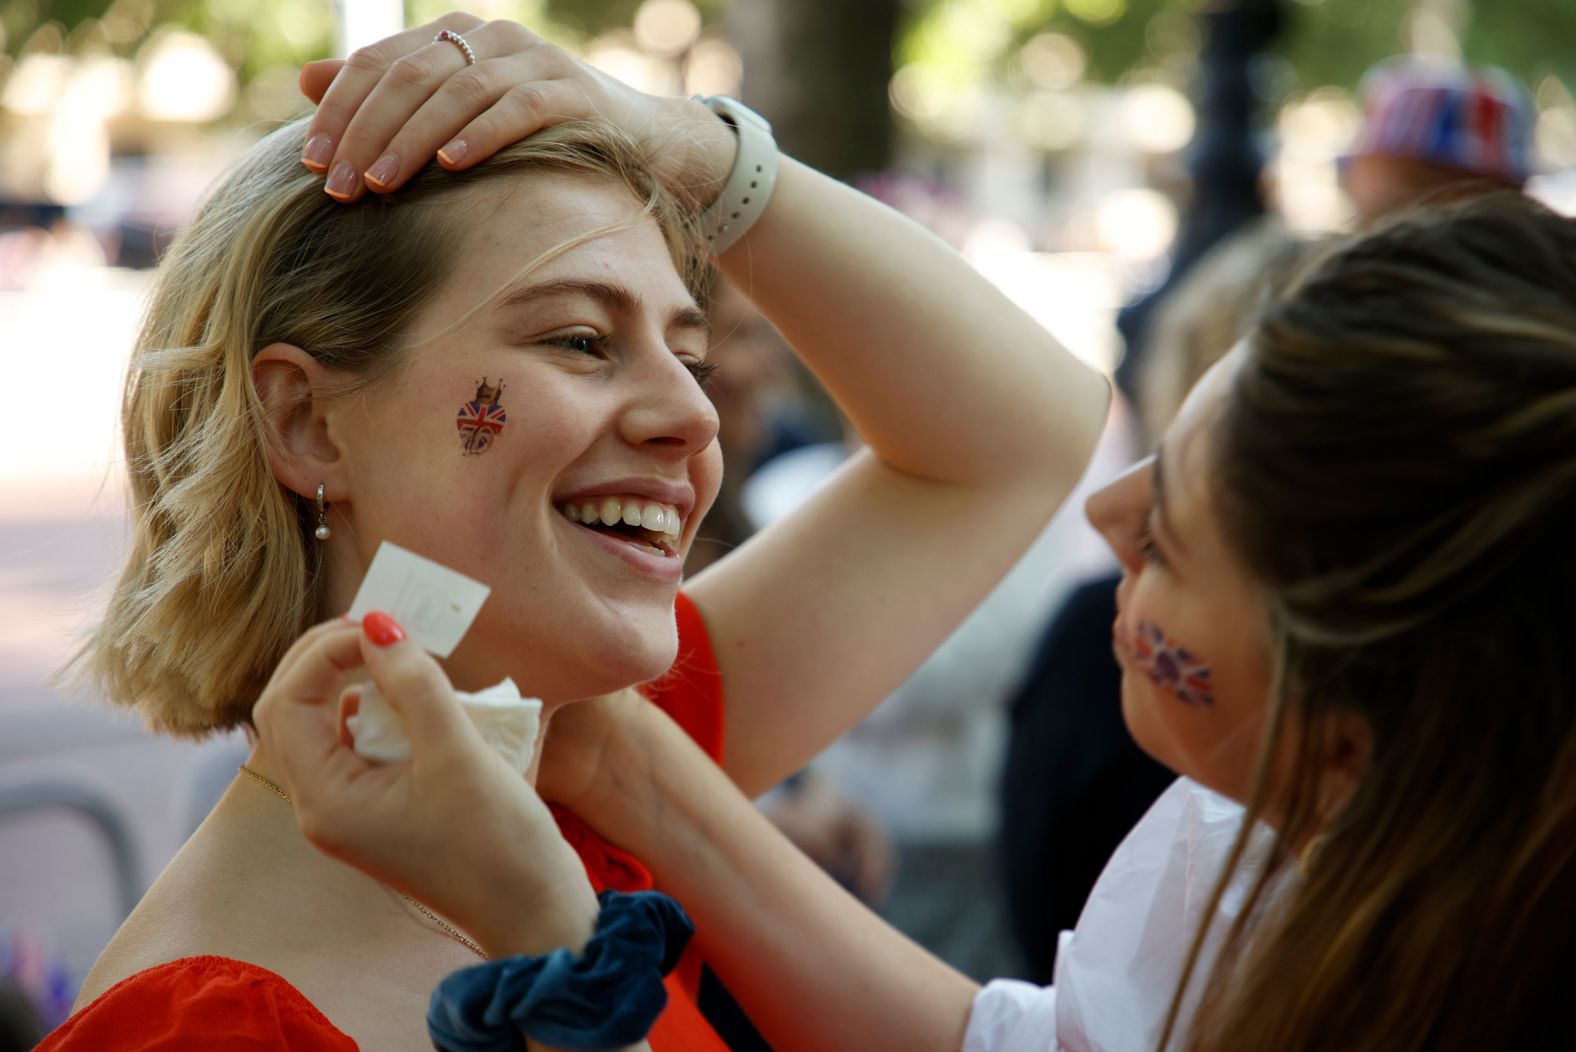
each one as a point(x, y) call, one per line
point(1396, 465)
point(222, 574)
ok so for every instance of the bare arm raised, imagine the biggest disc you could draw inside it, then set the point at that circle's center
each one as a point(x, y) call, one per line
point(978, 423)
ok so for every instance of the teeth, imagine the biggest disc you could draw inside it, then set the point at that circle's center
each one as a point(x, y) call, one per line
point(653, 517)
point(631, 511)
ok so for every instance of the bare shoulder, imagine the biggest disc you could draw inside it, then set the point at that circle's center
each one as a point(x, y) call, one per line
point(166, 926)
point(211, 900)
point(237, 890)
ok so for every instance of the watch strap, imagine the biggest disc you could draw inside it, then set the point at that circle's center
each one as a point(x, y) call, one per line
point(749, 188)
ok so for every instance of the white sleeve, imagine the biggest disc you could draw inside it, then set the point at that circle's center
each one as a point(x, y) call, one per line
point(1010, 1015)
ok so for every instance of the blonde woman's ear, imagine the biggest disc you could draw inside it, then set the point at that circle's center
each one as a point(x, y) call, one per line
point(301, 451)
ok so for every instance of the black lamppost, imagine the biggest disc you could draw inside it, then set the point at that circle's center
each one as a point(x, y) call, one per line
point(1224, 161)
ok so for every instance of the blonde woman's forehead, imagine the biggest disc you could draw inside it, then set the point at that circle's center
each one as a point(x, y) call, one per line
point(535, 211)
point(555, 228)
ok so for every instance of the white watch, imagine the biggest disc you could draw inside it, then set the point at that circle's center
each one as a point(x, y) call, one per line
point(754, 174)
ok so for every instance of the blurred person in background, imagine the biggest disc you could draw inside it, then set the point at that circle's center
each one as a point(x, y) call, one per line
point(1435, 131)
point(762, 411)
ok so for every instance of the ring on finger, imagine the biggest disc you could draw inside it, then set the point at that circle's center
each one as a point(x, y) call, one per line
point(458, 41)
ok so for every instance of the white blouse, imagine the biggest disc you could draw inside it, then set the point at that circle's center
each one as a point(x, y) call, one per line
point(1116, 972)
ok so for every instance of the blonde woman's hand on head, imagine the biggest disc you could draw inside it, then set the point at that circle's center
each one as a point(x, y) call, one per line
point(454, 826)
point(392, 106)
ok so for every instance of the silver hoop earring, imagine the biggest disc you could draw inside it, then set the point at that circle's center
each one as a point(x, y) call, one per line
point(322, 532)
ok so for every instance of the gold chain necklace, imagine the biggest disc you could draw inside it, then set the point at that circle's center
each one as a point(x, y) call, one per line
point(448, 929)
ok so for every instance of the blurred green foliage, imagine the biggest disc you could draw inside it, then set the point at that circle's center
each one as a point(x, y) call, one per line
point(964, 41)
point(1334, 41)
point(590, 17)
point(1323, 41)
point(253, 37)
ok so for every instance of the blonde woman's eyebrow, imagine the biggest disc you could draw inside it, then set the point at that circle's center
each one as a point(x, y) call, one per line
point(616, 298)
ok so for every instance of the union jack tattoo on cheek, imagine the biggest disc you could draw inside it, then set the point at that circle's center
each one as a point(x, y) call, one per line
point(481, 419)
point(1172, 666)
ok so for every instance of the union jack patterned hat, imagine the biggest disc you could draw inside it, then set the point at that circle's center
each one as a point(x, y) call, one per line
point(1434, 110)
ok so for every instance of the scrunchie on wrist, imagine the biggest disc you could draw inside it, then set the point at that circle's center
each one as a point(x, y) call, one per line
point(606, 998)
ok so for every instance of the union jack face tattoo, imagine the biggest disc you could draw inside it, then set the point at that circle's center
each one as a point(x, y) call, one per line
point(481, 419)
point(1172, 666)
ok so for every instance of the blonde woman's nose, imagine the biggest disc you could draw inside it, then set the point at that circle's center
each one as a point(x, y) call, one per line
point(670, 410)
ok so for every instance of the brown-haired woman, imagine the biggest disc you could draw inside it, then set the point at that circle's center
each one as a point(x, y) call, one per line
point(1346, 586)
point(293, 404)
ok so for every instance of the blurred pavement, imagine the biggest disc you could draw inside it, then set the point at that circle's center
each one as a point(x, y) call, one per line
point(63, 347)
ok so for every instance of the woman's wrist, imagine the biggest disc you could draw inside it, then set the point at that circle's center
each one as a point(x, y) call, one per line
point(695, 162)
point(529, 894)
point(561, 914)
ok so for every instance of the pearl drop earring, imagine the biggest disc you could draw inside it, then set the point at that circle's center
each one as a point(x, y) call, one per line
point(322, 532)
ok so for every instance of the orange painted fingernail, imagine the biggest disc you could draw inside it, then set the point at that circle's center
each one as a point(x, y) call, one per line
point(383, 172)
point(318, 152)
point(454, 152)
point(341, 181)
point(382, 629)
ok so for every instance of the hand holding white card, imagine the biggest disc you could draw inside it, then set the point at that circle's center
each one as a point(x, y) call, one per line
point(434, 604)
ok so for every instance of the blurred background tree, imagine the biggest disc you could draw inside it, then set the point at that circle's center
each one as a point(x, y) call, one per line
point(1035, 107)
point(821, 68)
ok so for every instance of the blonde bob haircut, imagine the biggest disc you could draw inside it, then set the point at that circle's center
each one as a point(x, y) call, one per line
point(222, 573)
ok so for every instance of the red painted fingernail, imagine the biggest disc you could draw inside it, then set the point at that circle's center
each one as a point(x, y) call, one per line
point(382, 629)
point(318, 152)
point(454, 152)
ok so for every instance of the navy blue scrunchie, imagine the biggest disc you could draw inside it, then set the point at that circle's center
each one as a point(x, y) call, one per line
point(606, 998)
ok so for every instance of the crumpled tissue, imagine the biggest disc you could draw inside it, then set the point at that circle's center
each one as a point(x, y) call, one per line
point(507, 722)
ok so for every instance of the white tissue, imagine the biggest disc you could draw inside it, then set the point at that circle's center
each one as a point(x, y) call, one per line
point(507, 722)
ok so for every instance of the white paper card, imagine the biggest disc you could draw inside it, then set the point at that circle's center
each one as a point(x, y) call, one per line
point(433, 604)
